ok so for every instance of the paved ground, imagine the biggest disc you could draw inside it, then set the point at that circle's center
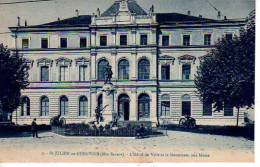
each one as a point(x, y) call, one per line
point(176, 147)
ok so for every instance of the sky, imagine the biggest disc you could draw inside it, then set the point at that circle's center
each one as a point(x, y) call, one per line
point(44, 12)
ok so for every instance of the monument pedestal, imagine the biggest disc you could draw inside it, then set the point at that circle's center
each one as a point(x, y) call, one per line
point(108, 102)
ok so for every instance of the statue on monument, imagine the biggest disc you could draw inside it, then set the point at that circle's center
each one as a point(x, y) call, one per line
point(108, 74)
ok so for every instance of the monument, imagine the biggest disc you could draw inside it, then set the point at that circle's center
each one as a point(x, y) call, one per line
point(106, 113)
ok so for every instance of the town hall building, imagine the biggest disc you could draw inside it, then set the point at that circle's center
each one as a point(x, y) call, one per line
point(154, 57)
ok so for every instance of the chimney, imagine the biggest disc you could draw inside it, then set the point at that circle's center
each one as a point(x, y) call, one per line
point(77, 12)
point(98, 12)
point(189, 13)
point(25, 23)
point(225, 17)
point(18, 21)
point(58, 19)
point(200, 16)
point(219, 15)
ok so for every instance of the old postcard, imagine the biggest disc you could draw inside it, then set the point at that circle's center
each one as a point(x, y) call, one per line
point(127, 81)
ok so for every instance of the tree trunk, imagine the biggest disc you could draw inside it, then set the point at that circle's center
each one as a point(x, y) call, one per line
point(237, 115)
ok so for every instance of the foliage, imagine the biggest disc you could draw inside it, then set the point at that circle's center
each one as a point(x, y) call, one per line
point(226, 73)
point(13, 78)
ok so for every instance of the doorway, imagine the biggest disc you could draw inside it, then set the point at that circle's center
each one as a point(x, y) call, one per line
point(123, 107)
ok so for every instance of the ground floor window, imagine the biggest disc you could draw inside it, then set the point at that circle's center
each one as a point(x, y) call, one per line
point(64, 106)
point(83, 106)
point(44, 106)
point(143, 106)
point(165, 105)
point(228, 110)
point(25, 106)
point(186, 105)
point(207, 109)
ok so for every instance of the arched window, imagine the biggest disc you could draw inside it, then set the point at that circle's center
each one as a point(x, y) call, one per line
point(165, 105)
point(143, 69)
point(123, 69)
point(143, 106)
point(102, 64)
point(83, 106)
point(64, 106)
point(186, 105)
point(25, 106)
point(44, 106)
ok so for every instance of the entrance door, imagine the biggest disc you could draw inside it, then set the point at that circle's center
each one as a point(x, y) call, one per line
point(123, 107)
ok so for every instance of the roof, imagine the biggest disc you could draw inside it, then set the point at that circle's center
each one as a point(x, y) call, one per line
point(133, 7)
point(177, 17)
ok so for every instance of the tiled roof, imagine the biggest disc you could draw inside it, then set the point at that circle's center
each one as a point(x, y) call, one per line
point(177, 17)
point(132, 6)
point(83, 20)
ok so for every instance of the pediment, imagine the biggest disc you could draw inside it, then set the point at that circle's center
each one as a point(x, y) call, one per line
point(63, 61)
point(44, 62)
point(82, 61)
point(187, 59)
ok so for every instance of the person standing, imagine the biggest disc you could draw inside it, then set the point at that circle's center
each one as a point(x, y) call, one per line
point(34, 128)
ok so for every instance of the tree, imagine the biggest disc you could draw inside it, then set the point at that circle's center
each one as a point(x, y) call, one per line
point(226, 73)
point(13, 78)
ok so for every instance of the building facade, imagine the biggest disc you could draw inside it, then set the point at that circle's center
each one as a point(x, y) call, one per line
point(154, 57)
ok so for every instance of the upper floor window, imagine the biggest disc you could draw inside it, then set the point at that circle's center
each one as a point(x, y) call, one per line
point(63, 42)
point(25, 106)
point(63, 73)
point(82, 73)
point(25, 43)
point(229, 36)
point(165, 40)
point(123, 69)
point(44, 73)
point(207, 109)
point(44, 43)
point(102, 64)
point(186, 40)
point(103, 40)
point(83, 42)
point(123, 40)
point(165, 71)
point(143, 39)
point(207, 39)
point(143, 69)
point(186, 70)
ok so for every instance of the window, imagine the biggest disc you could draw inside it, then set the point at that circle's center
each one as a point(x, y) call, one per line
point(123, 69)
point(101, 69)
point(83, 42)
point(44, 106)
point(229, 36)
point(63, 73)
point(207, 39)
point(165, 40)
point(207, 109)
point(83, 106)
point(25, 106)
point(44, 73)
point(143, 69)
point(103, 40)
point(186, 40)
point(82, 73)
point(143, 39)
point(63, 42)
point(44, 43)
point(228, 110)
point(165, 71)
point(143, 106)
point(186, 69)
point(123, 40)
point(25, 43)
point(186, 105)
point(165, 105)
point(64, 106)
